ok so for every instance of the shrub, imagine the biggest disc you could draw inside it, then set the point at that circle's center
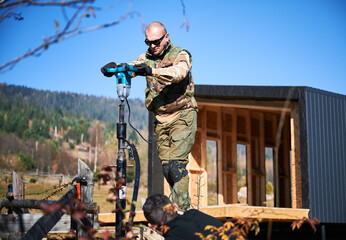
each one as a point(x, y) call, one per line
point(32, 180)
point(71, 145)
point(269, 188)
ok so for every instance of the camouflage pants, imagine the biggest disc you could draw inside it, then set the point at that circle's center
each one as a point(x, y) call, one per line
point(175, 141)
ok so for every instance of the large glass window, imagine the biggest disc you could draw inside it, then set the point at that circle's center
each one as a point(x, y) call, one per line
point(269, 166)
point(241, 173)
point(212, 152)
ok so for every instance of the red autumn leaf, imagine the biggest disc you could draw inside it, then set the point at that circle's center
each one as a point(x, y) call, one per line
point(49, 208)
point(78, 215)
point(106, 168)
point(106, 234)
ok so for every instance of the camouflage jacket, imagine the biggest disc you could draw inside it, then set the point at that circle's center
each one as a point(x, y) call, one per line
point(170, 88)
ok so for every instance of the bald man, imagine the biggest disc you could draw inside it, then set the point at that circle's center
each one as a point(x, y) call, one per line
point(169, 94)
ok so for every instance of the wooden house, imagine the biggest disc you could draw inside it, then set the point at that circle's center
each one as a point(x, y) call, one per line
point(276, 153)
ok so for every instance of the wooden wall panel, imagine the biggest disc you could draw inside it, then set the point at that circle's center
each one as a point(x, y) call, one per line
point(255, 128)
point(197, 165)
point(258, 159)
point(296, 189)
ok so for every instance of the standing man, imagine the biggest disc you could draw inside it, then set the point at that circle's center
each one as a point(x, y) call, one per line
point(169, 94)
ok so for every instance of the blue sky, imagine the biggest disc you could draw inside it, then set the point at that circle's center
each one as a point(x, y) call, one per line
point(243, 42)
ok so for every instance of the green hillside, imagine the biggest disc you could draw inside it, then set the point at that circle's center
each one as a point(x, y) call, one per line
point(43, 129)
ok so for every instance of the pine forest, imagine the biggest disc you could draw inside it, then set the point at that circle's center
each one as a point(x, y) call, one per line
point(45, 131)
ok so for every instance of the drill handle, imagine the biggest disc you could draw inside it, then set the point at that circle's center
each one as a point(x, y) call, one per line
point(122, 68)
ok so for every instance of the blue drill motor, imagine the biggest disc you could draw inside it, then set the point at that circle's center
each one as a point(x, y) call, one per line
point(123, 73)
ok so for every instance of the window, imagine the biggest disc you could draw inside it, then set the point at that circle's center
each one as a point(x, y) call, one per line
point(212, 152)
point(269, 168)
point(241, 174)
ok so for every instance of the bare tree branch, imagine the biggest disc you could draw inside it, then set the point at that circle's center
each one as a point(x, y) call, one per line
point(71, 29)
point(83, 9)
point(49, 3)
point(186, 22)
point(9, 12)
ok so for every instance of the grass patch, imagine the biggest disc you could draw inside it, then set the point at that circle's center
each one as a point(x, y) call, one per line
point(40, 190)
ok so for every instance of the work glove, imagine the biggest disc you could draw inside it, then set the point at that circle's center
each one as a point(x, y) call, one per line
point(144, 69)
point(108, 65)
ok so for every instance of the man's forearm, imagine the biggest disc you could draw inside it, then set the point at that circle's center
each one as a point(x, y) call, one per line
point(177, 72)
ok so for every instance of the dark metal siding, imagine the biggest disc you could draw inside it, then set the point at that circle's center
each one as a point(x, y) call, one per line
point(326, 143)
point(247, 92)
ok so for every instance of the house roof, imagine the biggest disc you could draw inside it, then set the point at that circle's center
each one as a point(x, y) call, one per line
point(256, 92)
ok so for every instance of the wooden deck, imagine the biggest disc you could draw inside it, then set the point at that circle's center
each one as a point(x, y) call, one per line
point(222, 212)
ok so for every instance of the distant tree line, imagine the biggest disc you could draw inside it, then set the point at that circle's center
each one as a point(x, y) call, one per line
point(22, 107)
point(30, 117)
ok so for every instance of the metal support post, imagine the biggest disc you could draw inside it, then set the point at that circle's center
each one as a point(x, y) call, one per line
point(121, 171)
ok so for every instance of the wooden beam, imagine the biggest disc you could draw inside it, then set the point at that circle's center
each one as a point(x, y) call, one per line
point(265, 213)
point(229, 211)
point(249, 159)
point(24, 203)
point(262, 159)
point(248, 104)
point(234, 185)
point(296, 187)
point(35, 204)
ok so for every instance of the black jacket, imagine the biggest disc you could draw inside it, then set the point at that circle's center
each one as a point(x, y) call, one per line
point(192, 221)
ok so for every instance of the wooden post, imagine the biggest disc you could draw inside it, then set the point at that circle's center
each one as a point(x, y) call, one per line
point(18, 186)
point(87, 187)
point(86, 190)
point(18, 193)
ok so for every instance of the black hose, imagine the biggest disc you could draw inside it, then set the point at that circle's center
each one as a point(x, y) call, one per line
point(136, 185)
point(128, 105)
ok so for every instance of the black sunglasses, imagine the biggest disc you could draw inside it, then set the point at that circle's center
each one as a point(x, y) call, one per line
point(155, 42)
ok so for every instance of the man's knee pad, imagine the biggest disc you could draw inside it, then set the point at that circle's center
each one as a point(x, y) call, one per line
point(174, 171)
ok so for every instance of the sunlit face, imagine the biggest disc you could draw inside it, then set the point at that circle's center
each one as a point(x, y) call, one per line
point(156, 39)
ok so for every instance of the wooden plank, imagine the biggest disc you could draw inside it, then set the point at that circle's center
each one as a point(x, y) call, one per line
point(203, 195)
point(197, 172)
point(278, 106)
point(265, 213)
point(232, 210)
point(11, 222)
point(109, 218)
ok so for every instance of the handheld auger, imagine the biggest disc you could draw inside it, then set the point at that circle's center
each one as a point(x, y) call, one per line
point(123, 73)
